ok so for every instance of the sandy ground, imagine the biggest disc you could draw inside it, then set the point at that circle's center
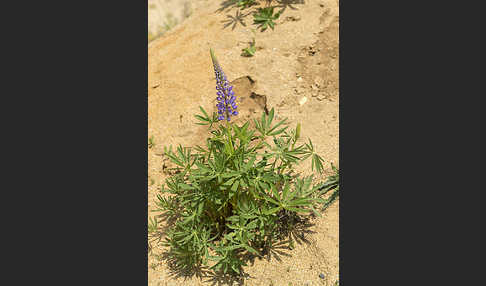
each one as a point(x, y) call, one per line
point(164, 15)
point(298, 60)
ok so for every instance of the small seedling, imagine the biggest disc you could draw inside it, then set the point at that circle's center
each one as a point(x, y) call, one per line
point(152, 181)
point(265, 18)
point(250, 51)
point(153, 266)
point(245, 3)
point(151, 142)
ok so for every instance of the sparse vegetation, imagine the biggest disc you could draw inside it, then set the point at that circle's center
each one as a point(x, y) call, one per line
point(264, 18)
point(250, 51)
point(245, 3)
point(151, 142)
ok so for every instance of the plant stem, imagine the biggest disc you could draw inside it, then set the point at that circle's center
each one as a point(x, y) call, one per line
point(229, 130)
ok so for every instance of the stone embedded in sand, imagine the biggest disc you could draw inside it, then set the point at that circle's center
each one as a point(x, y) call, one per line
point(303, 100)
point(249, 102)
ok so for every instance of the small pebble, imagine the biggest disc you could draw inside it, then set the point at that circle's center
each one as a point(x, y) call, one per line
point(303, 100)
point(322, 276)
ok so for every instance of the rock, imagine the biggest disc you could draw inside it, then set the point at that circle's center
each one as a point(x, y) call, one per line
point(303, 100)
point(293, 18)
point(250, 104)
point(322, 276)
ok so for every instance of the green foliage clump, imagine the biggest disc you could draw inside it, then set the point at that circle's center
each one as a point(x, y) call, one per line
point(232, 197)
point(151, 142)
point(245, 3)
point(250, 51)
point(265, 18)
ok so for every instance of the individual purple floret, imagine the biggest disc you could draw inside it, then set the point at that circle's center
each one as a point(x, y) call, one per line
point(226, 96)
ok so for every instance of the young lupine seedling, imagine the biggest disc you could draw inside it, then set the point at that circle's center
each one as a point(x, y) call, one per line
point(245, 3)
point(230, 194)
point(250, 51)
point(151, 142)
point(265, 18)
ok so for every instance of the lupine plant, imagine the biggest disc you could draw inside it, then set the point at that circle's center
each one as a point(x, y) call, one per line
point(245, 3)
point(265, 18)
point(227, 198)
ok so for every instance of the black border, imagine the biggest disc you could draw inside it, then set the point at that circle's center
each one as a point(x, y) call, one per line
point(79, 76)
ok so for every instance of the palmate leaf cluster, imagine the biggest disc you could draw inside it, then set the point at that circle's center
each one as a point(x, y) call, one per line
point(227, 196)
point(265, 17)
point(245, 3)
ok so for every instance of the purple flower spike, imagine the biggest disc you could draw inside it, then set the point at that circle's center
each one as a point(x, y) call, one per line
point(225, 94)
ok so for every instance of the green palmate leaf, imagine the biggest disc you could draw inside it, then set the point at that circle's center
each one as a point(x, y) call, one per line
point(235, 186)
point(274, 132)
point(300, 202)
point(265, 17)
point(186, 187)
point(273, 210)
point(204, 112)
point(298, 210)
point(317, 163)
